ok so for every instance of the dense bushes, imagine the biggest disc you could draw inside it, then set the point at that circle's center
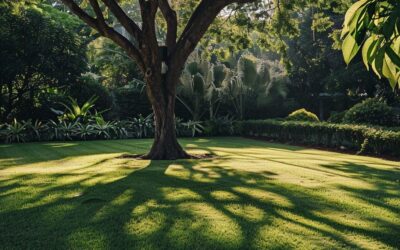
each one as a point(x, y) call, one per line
point(220, 126)
point(302, 115)
point(93, 127)
point(64, 130)
point(371, 111)
point(87, 87)
point(373, 140)
point(337, 117)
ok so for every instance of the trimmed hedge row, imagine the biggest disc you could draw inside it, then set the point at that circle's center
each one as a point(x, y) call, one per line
point(364, 139)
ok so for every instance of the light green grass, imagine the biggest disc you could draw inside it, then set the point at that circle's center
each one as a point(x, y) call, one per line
point(252, 195)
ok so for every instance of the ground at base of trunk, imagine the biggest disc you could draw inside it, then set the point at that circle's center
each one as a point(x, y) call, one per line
point(147, 157)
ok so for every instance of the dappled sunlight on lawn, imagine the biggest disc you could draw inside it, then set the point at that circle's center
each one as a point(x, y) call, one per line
point(251, 194)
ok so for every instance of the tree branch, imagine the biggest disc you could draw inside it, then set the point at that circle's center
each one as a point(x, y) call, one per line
point(89, 20)
point(198, 24)
point(148, 9)
point(130, 26)
point(99, 14)
point(172, 23)
point(101, 26)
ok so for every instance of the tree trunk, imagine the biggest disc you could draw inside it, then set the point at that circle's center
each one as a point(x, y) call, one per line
point(165, 145)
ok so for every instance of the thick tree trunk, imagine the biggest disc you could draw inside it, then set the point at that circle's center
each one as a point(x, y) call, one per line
point(165, 145)
point(161, 88)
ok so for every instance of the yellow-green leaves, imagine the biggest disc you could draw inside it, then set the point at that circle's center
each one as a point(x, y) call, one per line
point(349, 48)
point(373, 25)
point(368, 50)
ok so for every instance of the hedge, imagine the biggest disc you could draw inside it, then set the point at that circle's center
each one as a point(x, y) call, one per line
point(364, 139)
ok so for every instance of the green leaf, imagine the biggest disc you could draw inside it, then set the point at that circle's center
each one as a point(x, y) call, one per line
point(349, 48)
point(389, 26)
point(394, 57)
point(377, 63)
point(352, 11)
point(367, 49)
point(387, 69)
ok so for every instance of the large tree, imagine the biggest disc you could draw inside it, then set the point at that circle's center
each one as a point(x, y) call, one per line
point(161, 64)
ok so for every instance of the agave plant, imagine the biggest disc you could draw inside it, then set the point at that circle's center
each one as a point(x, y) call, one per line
point(2, 131)
point(179, 126)
point(63, 130)
point(37, 129)
point(85, 131)
point(15, 131)
point(143, 125)
point(75, 112)
point(102, 128)
point(194, 127)
point(120, 129)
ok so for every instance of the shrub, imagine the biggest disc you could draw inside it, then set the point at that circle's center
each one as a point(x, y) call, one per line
point(121, 129)
point(371, 111)
point(84, 131)
point(143, 126)
point(130, 101)
point(302, 115)
point(337, 117)
point(220, 126)
point(195, 127)
point(63, 130)
point(375, 140)
point(86, 88)
point(75, 112)
point(15, 131)
point(2, 132)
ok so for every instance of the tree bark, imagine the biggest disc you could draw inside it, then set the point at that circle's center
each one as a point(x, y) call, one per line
point(165, 145)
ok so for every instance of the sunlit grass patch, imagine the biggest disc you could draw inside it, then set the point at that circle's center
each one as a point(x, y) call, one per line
point(252, 194)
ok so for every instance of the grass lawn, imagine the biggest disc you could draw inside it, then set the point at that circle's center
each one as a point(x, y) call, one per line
point(253, 194)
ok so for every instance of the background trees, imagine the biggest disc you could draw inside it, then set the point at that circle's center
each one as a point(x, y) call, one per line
point(38, 57)
point(299, 43)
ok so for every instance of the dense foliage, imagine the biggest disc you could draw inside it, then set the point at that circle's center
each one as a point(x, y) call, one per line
point(302, 115)
point(40, 57)
point(374, 27)
point(371, 111)
point(360, 138)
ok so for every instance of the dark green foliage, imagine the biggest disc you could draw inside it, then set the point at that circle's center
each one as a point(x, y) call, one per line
point(337, 117)
point(87, 87)
point(302, 115)
point(94, 129)
point(130, 101)
point(371, 111)
point(15, 131)
point(378, 141)
point(320, 80)
point(143, 126)
point(38, 56)
point(109, 61)
point(220, 126)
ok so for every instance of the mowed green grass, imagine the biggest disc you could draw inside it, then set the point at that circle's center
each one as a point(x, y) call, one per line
point(252, 195)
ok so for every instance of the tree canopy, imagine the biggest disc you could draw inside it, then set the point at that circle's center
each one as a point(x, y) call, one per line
point(38, 55)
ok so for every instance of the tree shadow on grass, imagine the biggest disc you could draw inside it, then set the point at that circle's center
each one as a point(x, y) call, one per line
point(188, 204)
